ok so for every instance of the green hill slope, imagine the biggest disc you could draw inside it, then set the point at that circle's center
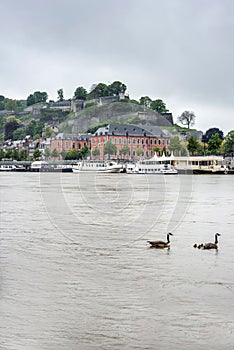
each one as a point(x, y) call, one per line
point(116, 112)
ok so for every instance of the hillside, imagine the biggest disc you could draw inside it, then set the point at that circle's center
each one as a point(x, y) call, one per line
point(116, 112)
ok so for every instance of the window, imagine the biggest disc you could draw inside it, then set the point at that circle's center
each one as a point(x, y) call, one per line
point(133, 140)
point(120, 140)
point(66, 145)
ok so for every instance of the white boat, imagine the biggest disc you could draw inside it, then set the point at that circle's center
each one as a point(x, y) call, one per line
point(43, 166)
point(155, 165)
point(12, 167)
point(7, 167)
point(97, 166)
point(201, 164)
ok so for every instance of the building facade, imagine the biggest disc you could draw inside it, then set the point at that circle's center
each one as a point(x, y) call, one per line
point(131, 141)
point(67, 142)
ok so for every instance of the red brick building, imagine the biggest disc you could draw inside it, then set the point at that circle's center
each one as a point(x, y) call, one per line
point(67, 142)
point(141, 140)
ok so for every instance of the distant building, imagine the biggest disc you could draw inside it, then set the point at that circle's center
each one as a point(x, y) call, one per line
point(67, 142)
point(140, 140)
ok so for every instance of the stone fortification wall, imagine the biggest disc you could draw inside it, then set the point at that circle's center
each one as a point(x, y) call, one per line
point(154, 118)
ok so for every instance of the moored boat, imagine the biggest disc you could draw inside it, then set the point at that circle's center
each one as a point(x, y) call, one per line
point(155, 165)
point(12, 167)
point(97, 166)
point(201, 165)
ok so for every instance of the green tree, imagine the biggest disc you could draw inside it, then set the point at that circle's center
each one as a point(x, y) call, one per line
point(10, 105)
point(54, 153)
point(19, 133)
point(187, 118)
point(156, 149)
point(125, 150)
point(229, 142)
point(214, 144)
point(15, 154)
point(208, 134)
point(30, 100)
point(159, 106)
point(30, 129)
point(2, 154)
point(12, 123)
point(116, 88)
point(175, 145)
point(193, 145)
point(8, 154)
point(63, 154)
point(145, 101)
point(110, 148)
point(36, 154)
point(48, 131)
point(47, 153)
point(40, 96)
point(139, 151)
point(80, 93)
point(60, 95)
point(2, 105)
point(100, 90)
point(84, 152)
point(96, 152)
point(22, 154)
point(73, 154)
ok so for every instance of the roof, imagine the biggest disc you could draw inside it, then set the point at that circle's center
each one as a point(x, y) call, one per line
point(63, 136)
point(130, 130)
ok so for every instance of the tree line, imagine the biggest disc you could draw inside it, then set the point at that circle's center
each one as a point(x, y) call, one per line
point(212, 143)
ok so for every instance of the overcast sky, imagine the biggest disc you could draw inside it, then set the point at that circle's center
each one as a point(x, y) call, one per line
point(181, 51)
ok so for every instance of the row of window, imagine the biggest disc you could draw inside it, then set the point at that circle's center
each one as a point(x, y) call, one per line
point(68, 147)
point(133, 141)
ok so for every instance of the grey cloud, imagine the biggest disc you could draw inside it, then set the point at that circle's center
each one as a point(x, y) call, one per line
point(177, 50)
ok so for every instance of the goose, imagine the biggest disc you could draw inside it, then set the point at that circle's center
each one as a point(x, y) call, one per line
point(161, 244)
point(212, 245)
point(199, 246)
point(208, 245)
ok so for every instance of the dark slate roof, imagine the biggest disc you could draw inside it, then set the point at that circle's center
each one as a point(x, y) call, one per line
point(130, 130)
point(155, 130)
point(63, 136)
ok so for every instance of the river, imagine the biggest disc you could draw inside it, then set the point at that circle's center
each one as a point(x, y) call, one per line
point(76, 271)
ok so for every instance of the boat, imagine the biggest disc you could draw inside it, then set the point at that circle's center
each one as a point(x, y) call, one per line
point(201, 165)
point(97, 166)
point(155, 165)
point(44, 166)
point(12, 167)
